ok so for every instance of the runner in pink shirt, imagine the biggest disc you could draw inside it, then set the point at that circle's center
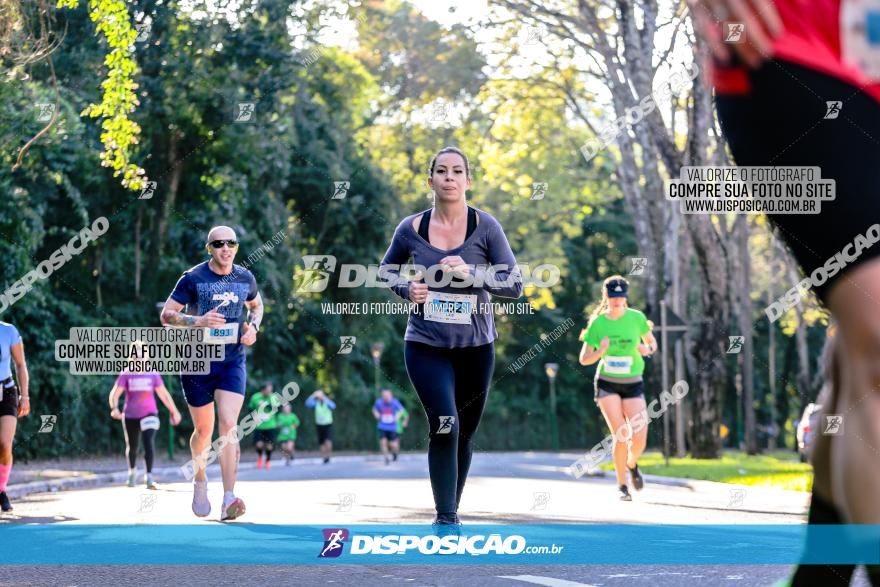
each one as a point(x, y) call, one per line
point(140, 417)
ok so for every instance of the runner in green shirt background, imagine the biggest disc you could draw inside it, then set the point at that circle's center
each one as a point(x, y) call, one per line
point(265, 404)
point(619, 337)
point(288, 422)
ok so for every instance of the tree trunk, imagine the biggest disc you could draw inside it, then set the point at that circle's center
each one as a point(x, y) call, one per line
point(745, 330)
point(171, 192)
point(803, 350)
point(96, 272)
point(137, 253)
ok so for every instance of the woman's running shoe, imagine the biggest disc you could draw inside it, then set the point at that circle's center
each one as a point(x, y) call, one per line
point(637, 479)
point(4, 502)
point(623, 490)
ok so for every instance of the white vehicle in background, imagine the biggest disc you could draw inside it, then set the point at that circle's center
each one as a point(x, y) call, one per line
point(807, 427)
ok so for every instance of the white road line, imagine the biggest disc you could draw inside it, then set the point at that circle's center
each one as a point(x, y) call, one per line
point(548, 581)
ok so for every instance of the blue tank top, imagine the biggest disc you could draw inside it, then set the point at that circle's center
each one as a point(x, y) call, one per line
point(9, 337)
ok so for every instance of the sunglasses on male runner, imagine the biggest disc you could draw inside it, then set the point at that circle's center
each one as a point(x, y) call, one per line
point(232, 244)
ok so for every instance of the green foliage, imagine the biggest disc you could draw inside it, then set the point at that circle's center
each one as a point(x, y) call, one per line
point(119, 100)
point(356, 116)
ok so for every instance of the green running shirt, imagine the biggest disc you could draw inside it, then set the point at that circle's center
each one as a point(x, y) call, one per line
point(622, 359)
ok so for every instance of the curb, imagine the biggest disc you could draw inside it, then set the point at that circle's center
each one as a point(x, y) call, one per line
point(88, 480)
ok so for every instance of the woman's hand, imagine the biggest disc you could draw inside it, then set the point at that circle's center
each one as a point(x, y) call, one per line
point(418, 291)
point(115, 414)
point(604, 344)
point(760, 20)
point(645, 350)
point(24, 406)
point(175, 418)
point(456, 265)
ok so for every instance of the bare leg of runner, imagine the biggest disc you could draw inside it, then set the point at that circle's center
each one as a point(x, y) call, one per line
point(7, 432)
point(228, 409)
point(631, 408)
point(203, 429)
point(612, 409)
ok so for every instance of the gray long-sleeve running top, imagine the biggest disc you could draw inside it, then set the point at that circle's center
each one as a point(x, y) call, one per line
point(457, 312)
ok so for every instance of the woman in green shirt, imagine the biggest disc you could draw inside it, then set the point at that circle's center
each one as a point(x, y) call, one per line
point(619, 337)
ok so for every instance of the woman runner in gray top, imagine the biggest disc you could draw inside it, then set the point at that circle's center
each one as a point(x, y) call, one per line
point(463, 256)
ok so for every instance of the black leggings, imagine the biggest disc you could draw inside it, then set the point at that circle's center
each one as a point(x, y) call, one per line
point(452, 385)
point(822, 512)
point(132, 430)
point(781, 121)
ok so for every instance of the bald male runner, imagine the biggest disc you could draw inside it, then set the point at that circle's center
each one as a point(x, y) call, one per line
point(216, 294)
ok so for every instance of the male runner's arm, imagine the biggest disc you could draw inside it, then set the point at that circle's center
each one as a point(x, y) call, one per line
point(24, 404)
point(376, 412)
point(172, 316)
point(255, 316)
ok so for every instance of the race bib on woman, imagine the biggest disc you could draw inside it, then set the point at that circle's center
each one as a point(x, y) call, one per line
point(450, 308)
point(618, 365)
point(150, 423)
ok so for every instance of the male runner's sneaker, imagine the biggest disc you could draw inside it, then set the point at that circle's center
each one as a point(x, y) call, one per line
point(636, 476)
point(624, 493)
point(201, 506)
point(232, 508)
point(260, 461)
point(4, 502)
point(151, 483)
point(132, 478)
point(267, 465)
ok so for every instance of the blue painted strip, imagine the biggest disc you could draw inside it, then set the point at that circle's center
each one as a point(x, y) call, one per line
point(568, 544)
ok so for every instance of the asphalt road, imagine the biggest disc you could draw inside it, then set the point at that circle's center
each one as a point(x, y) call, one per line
point(502, 489)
